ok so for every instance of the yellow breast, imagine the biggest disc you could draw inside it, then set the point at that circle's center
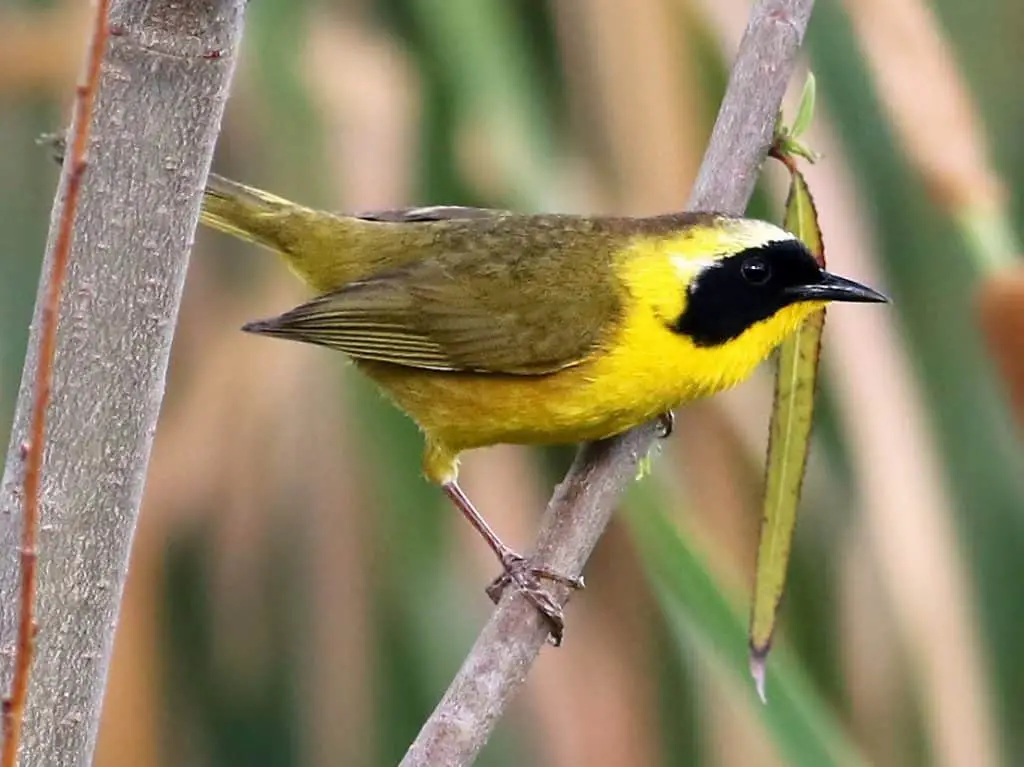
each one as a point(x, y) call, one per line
point(642, 370)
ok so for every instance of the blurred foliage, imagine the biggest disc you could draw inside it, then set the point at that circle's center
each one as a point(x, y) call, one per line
point(302, 596)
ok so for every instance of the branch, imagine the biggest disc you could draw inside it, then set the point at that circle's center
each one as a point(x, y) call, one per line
point(582, 504)
point(162, 89)
point(85, 98)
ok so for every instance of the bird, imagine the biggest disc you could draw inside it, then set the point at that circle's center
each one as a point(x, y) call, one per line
point(491, 326)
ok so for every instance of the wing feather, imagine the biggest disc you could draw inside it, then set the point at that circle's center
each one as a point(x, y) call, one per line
point(529, 312)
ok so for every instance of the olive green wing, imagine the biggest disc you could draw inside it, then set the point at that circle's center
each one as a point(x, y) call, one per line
point(529, 313)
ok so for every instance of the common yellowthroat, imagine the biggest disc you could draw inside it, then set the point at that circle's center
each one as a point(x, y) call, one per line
point(487, 326)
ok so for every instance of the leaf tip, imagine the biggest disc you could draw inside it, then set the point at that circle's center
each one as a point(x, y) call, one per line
point(758, 671)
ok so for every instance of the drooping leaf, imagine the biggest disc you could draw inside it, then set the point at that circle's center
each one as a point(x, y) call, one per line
point(789, 442)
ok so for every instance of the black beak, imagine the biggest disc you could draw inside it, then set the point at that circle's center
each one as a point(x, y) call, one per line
point(832, 287)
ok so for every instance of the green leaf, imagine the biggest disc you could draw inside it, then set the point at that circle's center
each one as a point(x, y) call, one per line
point(703, 617)
point(788, 445)
point(804, 112)
point(786, 145)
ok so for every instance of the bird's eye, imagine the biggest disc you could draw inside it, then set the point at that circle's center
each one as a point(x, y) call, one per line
point(756, 271)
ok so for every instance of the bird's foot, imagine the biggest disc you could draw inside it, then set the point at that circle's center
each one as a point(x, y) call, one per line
point(525, 578)
point(666, 423)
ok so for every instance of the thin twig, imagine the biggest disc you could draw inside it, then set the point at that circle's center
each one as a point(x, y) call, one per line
point(582, 504)
point(85, 98)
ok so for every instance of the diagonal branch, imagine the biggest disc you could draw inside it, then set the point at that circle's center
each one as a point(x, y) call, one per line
point(162, 88)
point(582, 504)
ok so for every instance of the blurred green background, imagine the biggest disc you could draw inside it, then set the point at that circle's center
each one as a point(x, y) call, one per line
point(299, 596)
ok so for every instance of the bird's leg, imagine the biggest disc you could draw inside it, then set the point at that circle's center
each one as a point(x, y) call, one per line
point(666, 423)
point(517, 570)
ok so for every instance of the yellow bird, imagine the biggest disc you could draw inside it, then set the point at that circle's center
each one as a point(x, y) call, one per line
point(487, 326)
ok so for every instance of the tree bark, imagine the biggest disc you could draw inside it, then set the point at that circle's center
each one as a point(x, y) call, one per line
point(582, 504)
point(162, 92)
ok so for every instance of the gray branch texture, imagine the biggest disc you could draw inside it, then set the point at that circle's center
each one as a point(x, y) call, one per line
point(161, 96)
point(582, 504)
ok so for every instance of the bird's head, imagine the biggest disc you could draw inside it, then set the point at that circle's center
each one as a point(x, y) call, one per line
point(759, 280)
point(740, 287)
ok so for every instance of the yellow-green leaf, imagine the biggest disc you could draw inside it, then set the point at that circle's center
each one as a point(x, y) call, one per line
point(804, 112)
point(789, 440)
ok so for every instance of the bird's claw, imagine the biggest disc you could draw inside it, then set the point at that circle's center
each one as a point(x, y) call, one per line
point(525, 578)
point(666, 423)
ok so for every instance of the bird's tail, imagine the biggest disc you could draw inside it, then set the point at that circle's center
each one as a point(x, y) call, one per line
point(245, 212)
point(312, 242)
point(324, 250)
